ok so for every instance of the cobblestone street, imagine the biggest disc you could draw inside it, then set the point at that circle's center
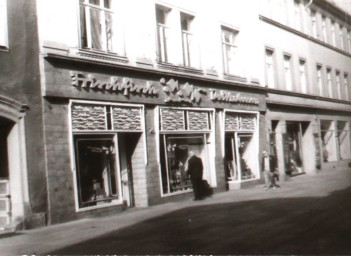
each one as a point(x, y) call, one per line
point(307, 215)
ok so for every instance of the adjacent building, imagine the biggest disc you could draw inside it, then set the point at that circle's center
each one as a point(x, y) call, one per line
point(108, 97)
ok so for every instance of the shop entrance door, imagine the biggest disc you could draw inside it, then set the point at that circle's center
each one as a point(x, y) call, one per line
point(293, 149)
point(127, 145)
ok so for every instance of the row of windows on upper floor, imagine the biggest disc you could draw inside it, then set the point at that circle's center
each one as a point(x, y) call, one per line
point(313, 21)
point(96, 28)
point(328, 83)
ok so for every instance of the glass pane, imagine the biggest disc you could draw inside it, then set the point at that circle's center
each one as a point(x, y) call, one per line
point(96, 29)
point(95, 2)
point(96, 169)
point(175, 155)
point(109, 31)
point(83, 28)
point(247, 156)
point(107, 3)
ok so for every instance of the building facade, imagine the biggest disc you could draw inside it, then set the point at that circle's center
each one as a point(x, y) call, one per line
point(307, 66)
point(114, 94)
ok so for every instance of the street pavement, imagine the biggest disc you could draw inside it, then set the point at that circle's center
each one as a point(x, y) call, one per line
point(309, 214)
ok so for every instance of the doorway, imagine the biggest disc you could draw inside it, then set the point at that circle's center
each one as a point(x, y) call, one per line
point(293, 148)
point(127, 146)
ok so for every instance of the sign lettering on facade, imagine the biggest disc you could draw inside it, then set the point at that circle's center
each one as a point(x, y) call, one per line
point(225, 96)
point(116, 84)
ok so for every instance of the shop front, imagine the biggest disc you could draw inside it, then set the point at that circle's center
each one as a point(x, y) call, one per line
point(123, 137)
point(308, 140)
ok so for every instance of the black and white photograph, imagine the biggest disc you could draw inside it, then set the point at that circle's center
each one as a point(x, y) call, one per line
point(175, 127)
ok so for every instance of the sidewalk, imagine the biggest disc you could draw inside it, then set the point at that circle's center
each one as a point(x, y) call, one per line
point(55, 237)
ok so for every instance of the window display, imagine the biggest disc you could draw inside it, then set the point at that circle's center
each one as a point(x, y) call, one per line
point(175, 154)
point(343, 140)
point(328, 141)
point(96, 169)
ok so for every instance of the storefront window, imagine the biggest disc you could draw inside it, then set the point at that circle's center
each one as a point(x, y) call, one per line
point(328, 141)
point(105, 139)
point(241, 141)
point(343, 140)
point(175, 154)
point(181, 131)
point(96, 169)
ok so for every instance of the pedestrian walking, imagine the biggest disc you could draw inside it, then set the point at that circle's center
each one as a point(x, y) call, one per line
point(194, 169)
point(269, 169)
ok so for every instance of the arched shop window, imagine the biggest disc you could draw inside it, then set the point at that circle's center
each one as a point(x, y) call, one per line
point(181, 131)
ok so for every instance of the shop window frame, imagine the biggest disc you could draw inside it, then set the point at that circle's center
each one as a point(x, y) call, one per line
point(108, 131)
point(206, 134)
point(255, 136)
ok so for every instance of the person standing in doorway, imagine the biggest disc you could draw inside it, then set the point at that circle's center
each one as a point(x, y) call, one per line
point(194, 169)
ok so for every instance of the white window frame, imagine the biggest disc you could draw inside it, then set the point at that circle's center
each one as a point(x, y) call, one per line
point(348, 40)
point(314, 23)
point(105, 47)
point(303, 75)
point(341, 37)
point(288, 72)
point(163, 31)
point(187, 38)
point(332, 30)
point(270, 68)
point(229, 49)
point(338, 83)
point(324, 28)
point(72, 133)
point(4, 43)
point(329, 83)
point(319, 69)
point(346, 86)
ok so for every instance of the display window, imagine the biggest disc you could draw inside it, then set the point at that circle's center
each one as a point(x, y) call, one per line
point(328, 140)
point(343, 140)
point(96, 167)
point(105, 138)
point(241, 146)
point(182, 131)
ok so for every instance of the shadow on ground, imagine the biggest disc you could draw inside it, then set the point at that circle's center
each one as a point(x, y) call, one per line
point(273, 226)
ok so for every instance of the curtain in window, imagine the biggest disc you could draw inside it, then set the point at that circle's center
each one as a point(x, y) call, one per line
point(96, 31)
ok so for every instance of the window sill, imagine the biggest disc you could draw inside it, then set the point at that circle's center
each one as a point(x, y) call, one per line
point(234, 78)
point(169, 66)
point(106, 56)
point(116, 202)
point(4, 49)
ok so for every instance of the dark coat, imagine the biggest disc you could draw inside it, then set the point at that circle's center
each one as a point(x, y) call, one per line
point(195, 167)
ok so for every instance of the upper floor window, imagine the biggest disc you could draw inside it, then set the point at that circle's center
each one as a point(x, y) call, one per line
point(162, 32)
point(314, 23)
point(186, 22)
point(348, 40)
point(96, 25)
point(319, 80)
point(288, 73)
point(229, 48)
point(346, 86)
point(338, 84)
point(297, 14)
point(329, 83)
point(332, 29)
point(303, 77)
point(324, 28)
point(341, 37)
point(3, 24)
point(270, 68)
